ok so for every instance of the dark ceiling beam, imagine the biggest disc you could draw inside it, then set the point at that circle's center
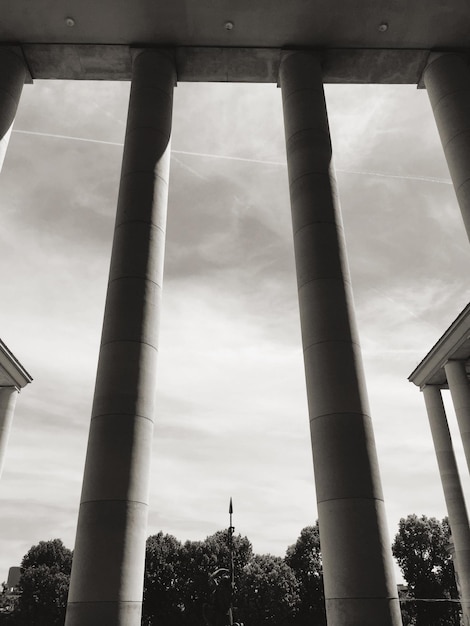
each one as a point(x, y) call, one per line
point(221, 64)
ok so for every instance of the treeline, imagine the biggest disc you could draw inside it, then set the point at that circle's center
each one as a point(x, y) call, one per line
point(182, 585)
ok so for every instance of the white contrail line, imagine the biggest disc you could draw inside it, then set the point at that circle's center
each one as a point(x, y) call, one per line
point(184, 152)
point(229, 158)
point(427, 179)
point(191, 170)
point(32, 132)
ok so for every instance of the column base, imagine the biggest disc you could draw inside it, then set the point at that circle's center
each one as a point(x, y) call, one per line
point(102, 613)
point(363, 611)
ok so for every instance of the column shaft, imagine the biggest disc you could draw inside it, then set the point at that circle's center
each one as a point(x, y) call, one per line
point(447, 80)
point(460, 392)
point(8, 397)
point(108, 564)
point(12, 77)
point(453, 494)
point(357, 562)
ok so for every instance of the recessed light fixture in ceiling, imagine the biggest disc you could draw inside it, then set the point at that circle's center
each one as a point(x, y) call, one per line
point(383, 27)
point(228, 25)
point(69, 21)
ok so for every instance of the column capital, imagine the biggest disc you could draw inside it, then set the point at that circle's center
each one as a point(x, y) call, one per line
point(287, 52)
point(302, 60)
point(461, 363)
point(429, 386)
point(163, 54)
point(444, 70)
point(14, 54)
point(435, 55)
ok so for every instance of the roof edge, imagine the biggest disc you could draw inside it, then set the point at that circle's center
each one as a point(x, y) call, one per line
point(20, 377)
point(442, 350)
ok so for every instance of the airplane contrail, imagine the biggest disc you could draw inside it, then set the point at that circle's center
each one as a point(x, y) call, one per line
point(428, 179)
point(33, 132)
point(229, 158)
point(184, 152)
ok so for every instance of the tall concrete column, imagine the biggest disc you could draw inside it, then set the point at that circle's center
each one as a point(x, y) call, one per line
point(8, 397)
point(108, 565)
point(447, 80)
point(359, 582)
point(12, 77)
point(460, 392)
point(453, 494)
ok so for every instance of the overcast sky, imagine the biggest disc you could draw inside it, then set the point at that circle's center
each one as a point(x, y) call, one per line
point(231, 412)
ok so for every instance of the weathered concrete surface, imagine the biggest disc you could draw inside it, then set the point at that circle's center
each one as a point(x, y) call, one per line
point(13, 75)
point(357, 563)
point(219, 64)
point(453, 494)
point(108, 566)
point(459, 386)
point(447, 80)
point(8, 397)
point(421, 24)
point(13, 375)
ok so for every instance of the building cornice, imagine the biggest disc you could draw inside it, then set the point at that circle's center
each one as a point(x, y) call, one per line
point(12, 373)
point(453, 345)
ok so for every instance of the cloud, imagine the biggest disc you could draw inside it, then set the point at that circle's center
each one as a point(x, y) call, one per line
point(231, 403)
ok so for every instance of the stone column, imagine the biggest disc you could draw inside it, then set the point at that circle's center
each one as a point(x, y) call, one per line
point(460, 392)
point(8, 397)
point(108, 564)
point(12, 77)
point(447, 80)
point(357, 562)
point(453, 494)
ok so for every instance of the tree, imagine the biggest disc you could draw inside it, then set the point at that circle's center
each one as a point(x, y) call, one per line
point(420, 548)
point(269, 591)
point(304, 558)
point(162, 581)
point(44, 584)
point(200, 560)
point(177, 576)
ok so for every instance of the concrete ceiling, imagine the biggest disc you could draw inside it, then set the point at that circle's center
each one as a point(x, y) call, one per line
point(350, 29)
point(257, 23)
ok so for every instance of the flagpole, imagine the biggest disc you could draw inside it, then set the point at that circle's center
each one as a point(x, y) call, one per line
point(231, 530)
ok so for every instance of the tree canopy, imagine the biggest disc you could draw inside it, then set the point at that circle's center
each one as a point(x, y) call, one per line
point(188, 584)
point(162, 581)
point(304, 558)
point(43, 586)
point(421, 550)
point(268, 591)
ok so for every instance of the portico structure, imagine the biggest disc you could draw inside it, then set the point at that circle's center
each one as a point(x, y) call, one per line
point(156, 45)
point(13, 377)
point(447, 366)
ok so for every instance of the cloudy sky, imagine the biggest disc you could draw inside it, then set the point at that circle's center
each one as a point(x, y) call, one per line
point(232, 414)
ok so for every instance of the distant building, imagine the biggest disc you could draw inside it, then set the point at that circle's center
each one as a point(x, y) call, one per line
point(447, 366)
point(10, 590)
point(13, 580)
point(13, 377)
